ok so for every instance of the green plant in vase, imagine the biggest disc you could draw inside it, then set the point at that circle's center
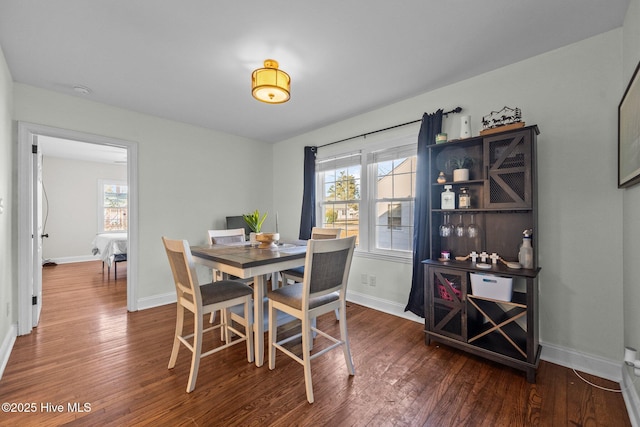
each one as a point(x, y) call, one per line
point(254, 220)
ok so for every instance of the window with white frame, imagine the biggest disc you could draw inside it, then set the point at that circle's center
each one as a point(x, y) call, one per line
point(371, 194)
point(112, 206)
point(338, 193)
point(393, 177)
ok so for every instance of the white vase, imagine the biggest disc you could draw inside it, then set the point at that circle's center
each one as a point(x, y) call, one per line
point(460, 175)
point(465, 127)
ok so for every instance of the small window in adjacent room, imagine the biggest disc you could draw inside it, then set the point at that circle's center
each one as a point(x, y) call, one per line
point(112, 206)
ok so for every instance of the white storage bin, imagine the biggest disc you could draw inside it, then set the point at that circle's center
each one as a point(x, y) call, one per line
point(490, 286)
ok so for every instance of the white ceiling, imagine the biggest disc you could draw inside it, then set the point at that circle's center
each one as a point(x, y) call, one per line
point(191, 60)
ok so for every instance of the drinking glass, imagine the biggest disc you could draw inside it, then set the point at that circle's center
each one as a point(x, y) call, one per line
point(446, 229)
point(460, 229)
point(474, 233)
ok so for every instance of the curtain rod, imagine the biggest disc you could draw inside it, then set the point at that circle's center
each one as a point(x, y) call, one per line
point(364, 135)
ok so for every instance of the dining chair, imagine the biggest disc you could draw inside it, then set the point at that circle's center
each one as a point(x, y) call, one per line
point(225, 237)
point(322, 290)
point(201, 300)
point(317, 233)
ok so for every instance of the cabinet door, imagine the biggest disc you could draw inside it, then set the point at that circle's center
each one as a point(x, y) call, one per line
point(507, 160)
point(447, 290)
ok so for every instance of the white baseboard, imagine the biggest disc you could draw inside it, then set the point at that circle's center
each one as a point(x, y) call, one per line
point(630, 395)
point(156, 300)
point(382, 305)
point(583, 362)
point(70, 259)
point(7, 346)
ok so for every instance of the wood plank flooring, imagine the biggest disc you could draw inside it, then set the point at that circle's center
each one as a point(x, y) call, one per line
point(89, 350)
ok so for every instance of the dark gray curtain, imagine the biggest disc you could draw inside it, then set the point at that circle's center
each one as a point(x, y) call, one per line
point(308, 216)
point(431, 125)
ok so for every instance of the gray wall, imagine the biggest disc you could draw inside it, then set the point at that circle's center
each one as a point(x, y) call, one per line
point(631, 202)
point(8, 246)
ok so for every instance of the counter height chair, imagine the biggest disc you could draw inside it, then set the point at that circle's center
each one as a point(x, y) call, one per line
point(225, 237)
point(322, 290)
point(317, 233)
point(201, 300)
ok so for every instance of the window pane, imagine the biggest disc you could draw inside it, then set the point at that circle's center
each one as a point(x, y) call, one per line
point(340, 199)
point(114, 207)
point(342, 215)
point(385, 168)
point(395, 191)
point(403, 185)
point(394, 226)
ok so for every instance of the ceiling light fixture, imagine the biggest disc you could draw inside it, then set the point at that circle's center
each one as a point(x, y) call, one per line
point(269, 84)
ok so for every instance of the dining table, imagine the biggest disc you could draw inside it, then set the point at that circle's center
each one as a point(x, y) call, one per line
point(246, 260)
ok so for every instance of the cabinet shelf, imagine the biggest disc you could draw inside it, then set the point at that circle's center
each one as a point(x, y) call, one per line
point(478, 210)
point(460, 183)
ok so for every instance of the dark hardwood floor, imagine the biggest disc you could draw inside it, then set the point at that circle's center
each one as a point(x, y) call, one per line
point(89, 350)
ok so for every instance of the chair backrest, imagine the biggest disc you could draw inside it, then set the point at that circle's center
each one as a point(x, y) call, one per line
point(222, 237)
point(238, 221)
point(318, 233)
point(327, 266)
point(184, 273)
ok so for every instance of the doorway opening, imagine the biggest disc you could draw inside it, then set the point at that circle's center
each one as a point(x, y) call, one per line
point(30, 231)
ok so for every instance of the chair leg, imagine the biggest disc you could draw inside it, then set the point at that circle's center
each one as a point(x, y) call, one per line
point(345, 339)
point(176, 341)
point(225, 320)
point(197, 351)
point(273, 333)
point(307, 342)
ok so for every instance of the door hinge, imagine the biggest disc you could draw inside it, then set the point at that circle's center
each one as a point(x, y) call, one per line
point(34, 300)
point(34, 149)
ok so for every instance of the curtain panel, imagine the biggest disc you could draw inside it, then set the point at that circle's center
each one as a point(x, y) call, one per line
point(308, 215)
point(430, 127)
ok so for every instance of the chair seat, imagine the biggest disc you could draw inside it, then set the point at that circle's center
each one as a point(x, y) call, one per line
point(297, 272)
point(223, 290)
point(119, 257)
point(292, 296)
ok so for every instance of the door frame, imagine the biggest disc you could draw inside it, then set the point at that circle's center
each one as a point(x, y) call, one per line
point(26, 133)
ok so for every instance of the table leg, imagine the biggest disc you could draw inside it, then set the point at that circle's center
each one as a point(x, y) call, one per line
point(258, 317)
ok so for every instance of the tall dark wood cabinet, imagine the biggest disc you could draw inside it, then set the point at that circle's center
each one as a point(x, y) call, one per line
point(503, 192)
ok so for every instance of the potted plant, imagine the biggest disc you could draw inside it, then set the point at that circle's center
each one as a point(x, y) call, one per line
point(460, 167)
point(254, 220)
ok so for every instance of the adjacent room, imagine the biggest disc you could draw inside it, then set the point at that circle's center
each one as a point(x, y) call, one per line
point(403, 214)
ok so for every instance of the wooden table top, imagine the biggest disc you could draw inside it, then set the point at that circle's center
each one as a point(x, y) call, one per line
point(246, 256)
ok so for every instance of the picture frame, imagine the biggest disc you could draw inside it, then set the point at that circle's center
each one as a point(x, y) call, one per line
point(629, 133)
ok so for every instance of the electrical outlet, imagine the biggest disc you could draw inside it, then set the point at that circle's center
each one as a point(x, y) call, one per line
point(364, 279)
point(372, 280)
